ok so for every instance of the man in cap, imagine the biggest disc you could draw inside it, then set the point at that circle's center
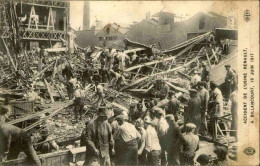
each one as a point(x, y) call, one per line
point(203, 93)
point(99, 140)
point(173, 106)
point(174, 137)
point(100, 93)
point(126, 139)
point(195, 79)
point(46, 143)
point(192, 112)
point(152, 146)
point(139, 124)
point(162, 89)
point(190, 145)
point(230, 80)
point(83, 134)
point(78, 103)
point(215, 107)
point(162, 128)
point(13, 140)
point(205, 73)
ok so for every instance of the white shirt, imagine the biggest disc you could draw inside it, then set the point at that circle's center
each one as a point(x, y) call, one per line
point(79, 93)
point(152, 140)
point(128, 132)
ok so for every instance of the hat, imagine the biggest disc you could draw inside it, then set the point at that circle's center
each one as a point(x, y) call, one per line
point(120, 117)
point(45, 132)
point(193, 91)
point(102, 111)
point(228, 65)
point(170, 117)
point(221, 150)
point(190, 126)
point(158, 110)
point(203, 159)
point(213, 83)
point(200, 83)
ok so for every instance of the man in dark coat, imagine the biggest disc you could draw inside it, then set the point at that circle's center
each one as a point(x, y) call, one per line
point(13, 140)
point(99, 140)
point(192, 113)
point(173, 106)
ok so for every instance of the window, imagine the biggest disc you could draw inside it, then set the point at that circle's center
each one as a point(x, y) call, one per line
point(202, 22)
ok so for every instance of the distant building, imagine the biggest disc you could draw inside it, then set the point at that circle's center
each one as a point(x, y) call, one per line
point(165, 32)
point(111, 35)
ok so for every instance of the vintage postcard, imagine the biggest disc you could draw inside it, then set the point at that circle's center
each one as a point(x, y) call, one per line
point(129, 83)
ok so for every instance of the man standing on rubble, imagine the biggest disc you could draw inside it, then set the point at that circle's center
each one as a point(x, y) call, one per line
point(126, 138)
point(192, 112)
point(173, 106)
point(204, 97)
point(13, 140)
point(99, 140)
point(215, 107)
point(230, 80)
point(205, 74)
point(100, 93)
point(79, 103)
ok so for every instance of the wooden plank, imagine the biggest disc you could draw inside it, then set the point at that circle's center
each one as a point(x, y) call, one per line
point(49, 90)
point(177, 88)
point(38, 74)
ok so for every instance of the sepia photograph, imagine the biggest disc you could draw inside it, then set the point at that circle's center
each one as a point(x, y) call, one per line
point(107, 83)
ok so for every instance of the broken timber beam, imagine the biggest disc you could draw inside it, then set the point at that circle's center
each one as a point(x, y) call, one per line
point(38, 74)
point(177, 88)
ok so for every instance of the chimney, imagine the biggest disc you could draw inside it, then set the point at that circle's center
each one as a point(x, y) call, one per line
point(148, 15)
point(86, 15)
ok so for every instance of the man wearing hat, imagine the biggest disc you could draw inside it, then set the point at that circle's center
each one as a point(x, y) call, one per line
point(100, 93)
point(139, 125)
point(195, 79)
point(152, 147)
point(78, 103)
point(203, 93)
point(205, 73)
point(126, 139)
point(48, 145)
point(192, 112)
point(215, 107)
point(230, 80)
point(173, 106)
point(190, 145)
point(99, 140)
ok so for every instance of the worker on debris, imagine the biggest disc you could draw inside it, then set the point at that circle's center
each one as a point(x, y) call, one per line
point(100, 93)
point(70, 88)
point(173, 106)
point(230, 80)
point(127, 137)
point(79, 96)
point(109, 58)
point(204, 97)
point(161, 89)
point(205, 74)
point(152, 145)
point(67, 72)
point(174, 137)
point(192, 114)
point(99, 140)
point(87, 76)
point(139, 124)
point(215, 107)
point(47, 143)
point(13, 140)
point(195, 79)
point(83, 134)
point(162, 128)
point(233, 103)
point(104, 74)
point(41, 57)
point(189, 146)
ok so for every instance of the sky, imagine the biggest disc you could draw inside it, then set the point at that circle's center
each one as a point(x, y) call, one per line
point(125, 12)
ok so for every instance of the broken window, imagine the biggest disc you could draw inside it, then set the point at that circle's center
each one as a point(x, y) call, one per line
point(202, 22)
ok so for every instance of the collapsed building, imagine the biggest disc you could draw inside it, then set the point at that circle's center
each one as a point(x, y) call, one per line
point(39, 97)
